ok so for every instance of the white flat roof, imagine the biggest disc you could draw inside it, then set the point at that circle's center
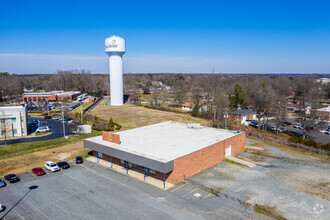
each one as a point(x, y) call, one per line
point(166, 141)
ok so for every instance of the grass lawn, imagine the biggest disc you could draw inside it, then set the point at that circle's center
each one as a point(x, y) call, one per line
point(43, 134)
point(27, 148)
point(131, 116)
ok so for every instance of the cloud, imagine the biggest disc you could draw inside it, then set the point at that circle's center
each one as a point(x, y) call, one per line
point(48, 63)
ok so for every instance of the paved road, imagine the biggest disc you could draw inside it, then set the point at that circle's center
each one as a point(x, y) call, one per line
point(56, 128)
point(89, 191)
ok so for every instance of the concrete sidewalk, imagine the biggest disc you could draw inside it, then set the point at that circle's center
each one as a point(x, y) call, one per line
point(136, 175)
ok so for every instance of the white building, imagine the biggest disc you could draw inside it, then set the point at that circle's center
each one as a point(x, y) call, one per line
point(13, 121)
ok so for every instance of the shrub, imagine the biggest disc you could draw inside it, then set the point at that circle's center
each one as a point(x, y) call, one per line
point(310, 142)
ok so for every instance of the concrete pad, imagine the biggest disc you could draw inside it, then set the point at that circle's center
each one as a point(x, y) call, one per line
point(254, 148)
point(240, 161)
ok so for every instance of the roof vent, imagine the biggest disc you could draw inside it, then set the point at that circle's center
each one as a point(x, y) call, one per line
point(194, 126)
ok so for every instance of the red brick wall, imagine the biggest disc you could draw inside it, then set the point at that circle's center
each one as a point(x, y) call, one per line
point(114, 138)
point(203, 159)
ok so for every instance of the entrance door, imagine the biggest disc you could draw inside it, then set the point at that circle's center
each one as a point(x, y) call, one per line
point(228, 151)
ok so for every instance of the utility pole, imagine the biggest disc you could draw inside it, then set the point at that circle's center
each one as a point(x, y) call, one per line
point(214, 112)
point(239, 108)
point(48, 106)
point(3, 101)
point(278, 119)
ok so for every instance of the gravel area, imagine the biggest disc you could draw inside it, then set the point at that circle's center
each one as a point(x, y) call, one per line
point(295, 184)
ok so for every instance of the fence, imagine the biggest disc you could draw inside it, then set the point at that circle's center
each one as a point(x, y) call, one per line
point(94, 105)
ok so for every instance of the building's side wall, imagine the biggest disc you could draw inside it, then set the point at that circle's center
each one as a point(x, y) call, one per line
point(191, 164)
point(15, 128)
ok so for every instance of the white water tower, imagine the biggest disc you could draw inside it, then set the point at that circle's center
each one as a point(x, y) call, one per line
point(115, 48)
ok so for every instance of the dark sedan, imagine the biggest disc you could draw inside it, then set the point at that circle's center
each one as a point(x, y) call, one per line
point(63, 165)
point(12, 178)
point(79, 160)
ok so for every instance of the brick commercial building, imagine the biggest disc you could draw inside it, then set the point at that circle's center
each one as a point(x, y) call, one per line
point(169, 151)
point(50, 96)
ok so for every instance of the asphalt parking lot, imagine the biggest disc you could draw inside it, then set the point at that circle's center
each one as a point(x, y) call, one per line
point(89, 191)
point(56, 127)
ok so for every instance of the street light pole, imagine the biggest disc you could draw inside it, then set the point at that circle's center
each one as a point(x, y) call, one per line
point(63, 121)
point(81, 113)
point(226, 117)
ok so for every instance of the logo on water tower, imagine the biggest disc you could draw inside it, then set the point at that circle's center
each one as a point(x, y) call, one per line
point(113, 43)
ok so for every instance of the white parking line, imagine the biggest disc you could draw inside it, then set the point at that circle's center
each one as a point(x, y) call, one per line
point(18, 214)
point(207, 196)
point(61, 208)
point(190, 192)
point(36, 208)
point(177, 188)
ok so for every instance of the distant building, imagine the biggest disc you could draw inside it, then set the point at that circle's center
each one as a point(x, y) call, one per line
point(296, 108)
point(187, 106)
point(168, 151)
point(13, 121)
point(243, 115)
point(324, 80)
point(50, 96)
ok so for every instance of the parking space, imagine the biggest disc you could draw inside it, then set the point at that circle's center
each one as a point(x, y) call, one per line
point(89, 191)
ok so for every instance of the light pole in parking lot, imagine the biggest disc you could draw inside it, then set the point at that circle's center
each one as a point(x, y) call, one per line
point(63, 121)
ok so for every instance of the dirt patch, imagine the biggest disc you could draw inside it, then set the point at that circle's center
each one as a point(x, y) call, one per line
point(270, 211)
point(319, 187)
point(22, 164)
point(132, 116)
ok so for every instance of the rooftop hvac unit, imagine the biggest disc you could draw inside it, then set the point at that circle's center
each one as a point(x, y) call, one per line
point(194, 126)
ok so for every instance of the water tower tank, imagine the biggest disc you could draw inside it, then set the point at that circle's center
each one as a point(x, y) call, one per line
point(115, 48)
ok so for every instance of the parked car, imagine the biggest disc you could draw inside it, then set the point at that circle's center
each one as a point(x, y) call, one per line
point(2, 183)
point(282, 130)
point(63, 165)
point(273, 128)
point(42, 129)
point(287, 123)
point(56, 117)
point(12, 178)
point(297, 125)
point(38, 171)
point(51, 166)
point(47, 117)
point(79, 160)
point(323, 131)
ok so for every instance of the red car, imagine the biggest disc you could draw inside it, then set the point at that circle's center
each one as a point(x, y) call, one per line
point(47, 117)
point(39, 171)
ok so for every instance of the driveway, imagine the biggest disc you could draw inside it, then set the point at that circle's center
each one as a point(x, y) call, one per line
point(89, 191)
point(56, 127)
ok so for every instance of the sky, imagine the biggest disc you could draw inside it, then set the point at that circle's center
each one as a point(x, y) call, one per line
point(166, 36)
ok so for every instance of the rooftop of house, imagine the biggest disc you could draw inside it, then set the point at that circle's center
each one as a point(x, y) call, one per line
point(166, 141)
point(187, 104)
point(243, 112)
